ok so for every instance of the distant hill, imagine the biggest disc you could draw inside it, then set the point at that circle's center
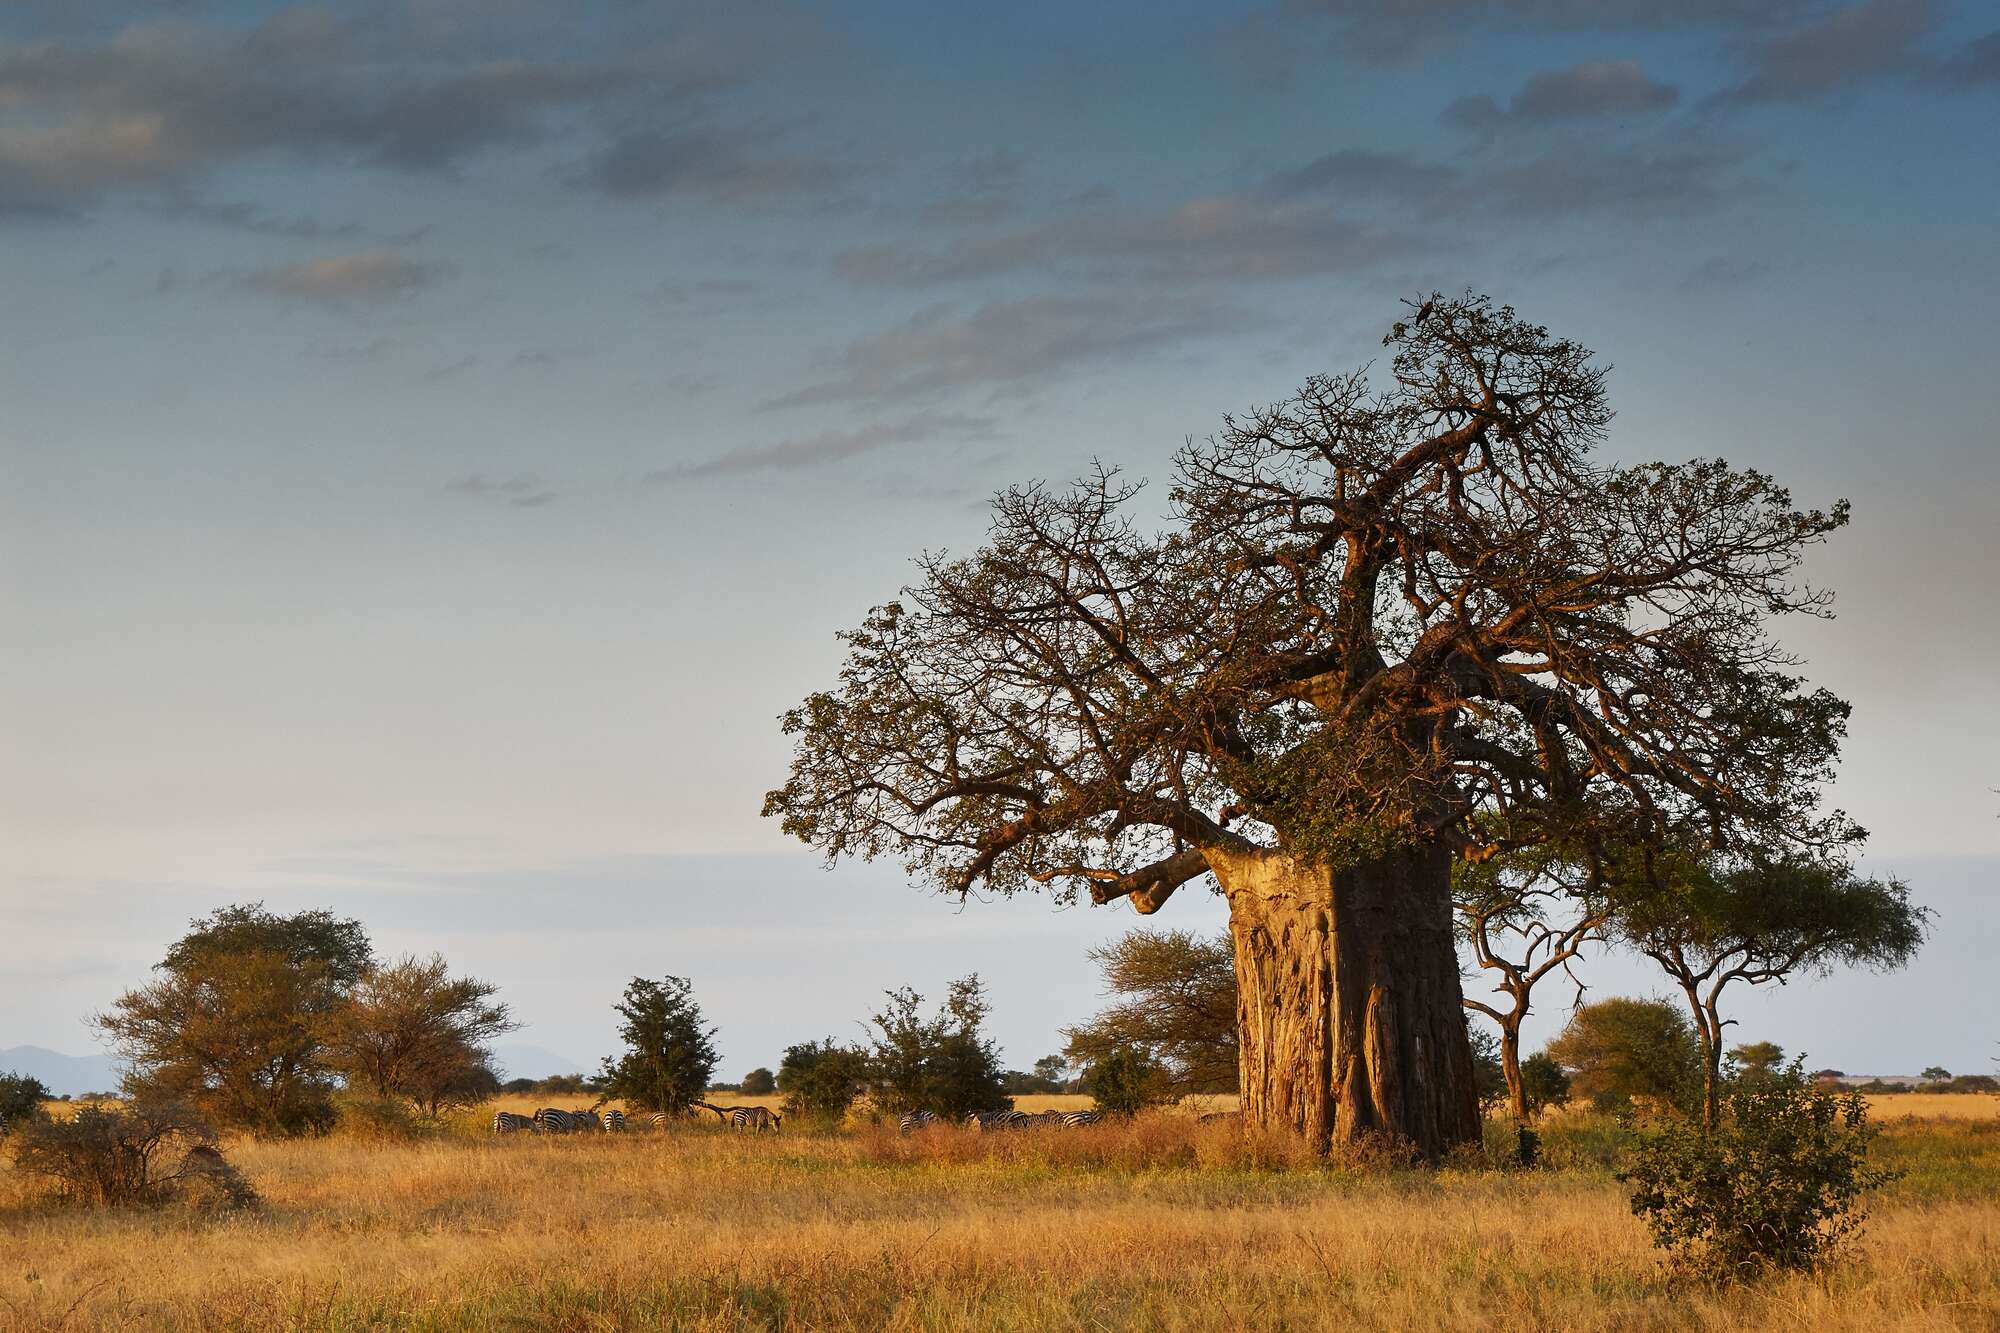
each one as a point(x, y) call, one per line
point(520, 1060)
point(71, 1074)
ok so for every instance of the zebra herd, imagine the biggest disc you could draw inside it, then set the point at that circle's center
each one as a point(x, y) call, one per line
point(549, 1120)
point(992, 1120)
point(757, 1119)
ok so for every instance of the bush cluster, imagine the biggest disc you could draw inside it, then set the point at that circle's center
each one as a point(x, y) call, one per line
point(1775, 1185)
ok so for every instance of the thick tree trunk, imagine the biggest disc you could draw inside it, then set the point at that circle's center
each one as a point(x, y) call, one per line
point(1348, 1006)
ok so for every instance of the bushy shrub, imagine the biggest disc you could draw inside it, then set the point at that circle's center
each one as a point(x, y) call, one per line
point(144, 1154)
point(820, 1080)
point(21, 1097)
point(1543, 1083)
point(1776, 1185)
point(1125, 1081)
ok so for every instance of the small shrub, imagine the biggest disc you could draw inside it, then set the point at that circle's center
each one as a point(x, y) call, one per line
point(147, 1154)
point(21, 1097)
point(1126, 1081)
point(373, 1119)
point(1776, 1185)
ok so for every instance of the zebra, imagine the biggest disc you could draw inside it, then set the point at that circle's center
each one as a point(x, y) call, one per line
point(1078, 1119)
point(754, 1118)
point(614, 1121)
point(565, 1122)
point(984, 1120)
point(914, 1120)
point(506, 1122)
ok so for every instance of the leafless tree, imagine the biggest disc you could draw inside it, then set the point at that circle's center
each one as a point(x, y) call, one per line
point(1385, 628)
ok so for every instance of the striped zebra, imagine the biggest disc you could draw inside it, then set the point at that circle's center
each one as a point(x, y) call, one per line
point(506, 1122)
point(986, 1120)
point(614, 1121)
point(1078, 1119)
point(754, 1118)
point(565, 1122)
point(910, 1121)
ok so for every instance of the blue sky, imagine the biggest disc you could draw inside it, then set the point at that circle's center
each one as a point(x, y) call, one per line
point(441, 435)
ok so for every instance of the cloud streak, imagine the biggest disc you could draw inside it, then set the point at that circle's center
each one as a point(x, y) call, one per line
point(371, 276)
point(825, 448)
point(1014, 342)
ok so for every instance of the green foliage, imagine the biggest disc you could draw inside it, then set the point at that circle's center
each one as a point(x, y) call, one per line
point(669, 1050)
point(1936, 1074)
point(1175, 996)
point(1544, 1083)
point(147, 1153)
point(21, 1097)
point(338, 946)
point(1776, 1185)
point(943, 1064)
point(1050, 1075)
point(1757, 1059)
point(1125, 1081)
point(1619, 1049)
point(1489, 1080)
point(820, 1080)
point(759, 1082)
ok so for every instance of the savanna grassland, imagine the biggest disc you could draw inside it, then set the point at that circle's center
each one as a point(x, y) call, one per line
point(1156, 1223)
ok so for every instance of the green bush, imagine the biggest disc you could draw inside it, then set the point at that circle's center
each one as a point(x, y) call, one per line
point(1125, 1081)
point(1776, 1185)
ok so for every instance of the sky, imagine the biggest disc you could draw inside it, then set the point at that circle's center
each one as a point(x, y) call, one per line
point(441, 436)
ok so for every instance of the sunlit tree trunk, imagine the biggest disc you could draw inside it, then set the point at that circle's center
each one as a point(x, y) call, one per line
point(1348, 1000)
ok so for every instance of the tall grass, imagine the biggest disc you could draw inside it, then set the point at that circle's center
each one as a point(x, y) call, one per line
point(1159, 1223)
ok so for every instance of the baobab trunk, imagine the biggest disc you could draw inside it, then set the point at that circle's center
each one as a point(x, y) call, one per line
point(1348, 1006)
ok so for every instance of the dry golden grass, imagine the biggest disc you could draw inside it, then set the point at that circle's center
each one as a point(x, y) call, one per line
point(1934, 1106)
point(1157, 1224)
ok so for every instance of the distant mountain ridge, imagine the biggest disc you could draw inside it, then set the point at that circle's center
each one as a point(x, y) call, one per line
point(71, 1075)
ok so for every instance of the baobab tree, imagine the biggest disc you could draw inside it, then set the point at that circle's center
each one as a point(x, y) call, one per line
point(1384, 628)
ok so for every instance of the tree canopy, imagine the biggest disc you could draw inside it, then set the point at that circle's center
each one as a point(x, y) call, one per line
point(1710, 922)
point(1376, 613)
point(669, 1048)
point(1174, 997)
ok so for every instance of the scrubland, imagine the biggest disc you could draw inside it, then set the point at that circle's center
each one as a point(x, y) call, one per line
point(1159, 1223)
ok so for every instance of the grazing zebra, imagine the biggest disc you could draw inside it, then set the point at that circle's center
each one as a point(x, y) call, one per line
point(912, 1120)
point(984, 1120)
point(754, 1118)
point(1078, 1119)
point(614, 1121)
point(506, 1122)
point(565, 1122)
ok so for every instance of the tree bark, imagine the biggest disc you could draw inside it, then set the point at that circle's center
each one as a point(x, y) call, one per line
point(1510, 1066)
point(1348, 1005)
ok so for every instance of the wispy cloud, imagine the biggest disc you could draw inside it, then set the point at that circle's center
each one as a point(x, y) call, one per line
point(1014, 342)
point(371, 276)
point(826, 447)
point(1847, 47)
point(516, 492)
point(1581, 92)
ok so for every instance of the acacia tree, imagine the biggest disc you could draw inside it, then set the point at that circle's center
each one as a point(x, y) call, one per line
point(1526, 914)
point(1759, 921)
point(1176, 1002)
point(412, 1030)
point(237, 1020)
point(1385, 628)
